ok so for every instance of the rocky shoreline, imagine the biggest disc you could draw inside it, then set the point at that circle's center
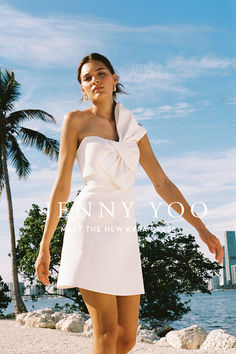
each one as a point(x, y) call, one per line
point(189, 338)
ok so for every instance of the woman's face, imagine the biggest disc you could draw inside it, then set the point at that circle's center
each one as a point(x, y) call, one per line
point(96, 74)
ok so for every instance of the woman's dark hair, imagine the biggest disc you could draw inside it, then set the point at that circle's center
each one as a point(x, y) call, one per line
point(106, 62)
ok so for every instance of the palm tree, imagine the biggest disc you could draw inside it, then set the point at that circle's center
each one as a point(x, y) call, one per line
point(11, 131)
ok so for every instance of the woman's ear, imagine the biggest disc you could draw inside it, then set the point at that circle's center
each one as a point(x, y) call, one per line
point(116, 79)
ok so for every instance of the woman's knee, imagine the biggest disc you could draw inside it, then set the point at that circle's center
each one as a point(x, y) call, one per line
point(103, 312)
point(126, 343)
point(105, 336)
point(107, 327)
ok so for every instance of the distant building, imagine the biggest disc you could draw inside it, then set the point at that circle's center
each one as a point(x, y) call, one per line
point(61, 291)
point(35, 289)
point(67, 292)
point(224, 268)
point(229, 258)
point(54, 290)
point(233, 272)
point(214, 283)
point(10, 286)
point(221, 277)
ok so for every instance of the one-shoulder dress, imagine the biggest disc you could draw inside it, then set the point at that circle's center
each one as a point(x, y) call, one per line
point(100, 249)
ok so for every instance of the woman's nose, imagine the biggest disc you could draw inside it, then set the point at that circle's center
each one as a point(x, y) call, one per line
point(96, 80)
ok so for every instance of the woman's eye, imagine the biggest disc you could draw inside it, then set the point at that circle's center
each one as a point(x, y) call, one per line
point(88, 78)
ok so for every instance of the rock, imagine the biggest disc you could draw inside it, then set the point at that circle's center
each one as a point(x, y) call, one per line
point(187, 338)
point(144, 326)
point(33, 319)
point(57, 316)
point(71, 323)
point(40, 321)
point(162, 331)
point(193, 337)
point(47, 310)
point(144, 335)
point(20, 318)
point(45, 318)
point(54, 318)
point(162, 342)
point(219, 339)
point(88, 328)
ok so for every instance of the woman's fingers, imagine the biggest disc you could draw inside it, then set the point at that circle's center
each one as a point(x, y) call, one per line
point(213, 244)
point(42, 272)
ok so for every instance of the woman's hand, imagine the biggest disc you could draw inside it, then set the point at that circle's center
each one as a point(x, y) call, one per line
point(213, 243)
point(42, 266)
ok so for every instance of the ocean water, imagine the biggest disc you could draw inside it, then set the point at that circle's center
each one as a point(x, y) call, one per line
point(217, 310)
point(214, 311)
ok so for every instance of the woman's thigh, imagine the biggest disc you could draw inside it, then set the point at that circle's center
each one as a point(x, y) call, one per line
point(103, 311)
point(128, 315)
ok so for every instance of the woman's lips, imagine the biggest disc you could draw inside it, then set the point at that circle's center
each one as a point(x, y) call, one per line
point(98, 88)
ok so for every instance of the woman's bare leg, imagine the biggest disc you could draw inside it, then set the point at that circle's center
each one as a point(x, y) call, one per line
point(103, 312)
point(128, 315)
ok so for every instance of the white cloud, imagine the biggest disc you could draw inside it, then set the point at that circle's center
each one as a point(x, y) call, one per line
point(196, 67)
point(45, 41)
point(231, 101)
point(178, 110)
point(209, 173)
point(171, 75)
point(41, 42)
point(36, 189)
point(209, 177)
point(62, 39)
point(160, 141)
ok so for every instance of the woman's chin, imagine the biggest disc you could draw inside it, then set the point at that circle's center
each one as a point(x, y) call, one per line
point(100, 96)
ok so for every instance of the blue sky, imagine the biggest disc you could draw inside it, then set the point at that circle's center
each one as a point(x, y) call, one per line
point(176, 59)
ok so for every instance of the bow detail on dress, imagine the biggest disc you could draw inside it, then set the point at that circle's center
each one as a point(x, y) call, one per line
point(120, 162)
point(120, 159)
point(107, 162)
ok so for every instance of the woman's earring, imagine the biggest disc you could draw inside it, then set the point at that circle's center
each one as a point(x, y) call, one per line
point(114, 88)
point(85, 97)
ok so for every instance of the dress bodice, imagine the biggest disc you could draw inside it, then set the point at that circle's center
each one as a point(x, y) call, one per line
point(112, 164)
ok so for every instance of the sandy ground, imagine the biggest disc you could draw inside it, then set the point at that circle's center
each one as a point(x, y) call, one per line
point(15, 338)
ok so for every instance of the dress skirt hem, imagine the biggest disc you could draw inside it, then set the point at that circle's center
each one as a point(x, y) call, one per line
point(99, 290)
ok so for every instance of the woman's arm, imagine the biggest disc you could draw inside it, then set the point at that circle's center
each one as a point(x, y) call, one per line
point(170, 193)
point(62, 186)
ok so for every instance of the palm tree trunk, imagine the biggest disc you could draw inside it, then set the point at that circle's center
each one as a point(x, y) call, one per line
point(19, 305)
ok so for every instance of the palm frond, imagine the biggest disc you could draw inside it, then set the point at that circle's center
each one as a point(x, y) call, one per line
point(47, 145)
point(17, 158)
point(9, 90)
point(18, 116)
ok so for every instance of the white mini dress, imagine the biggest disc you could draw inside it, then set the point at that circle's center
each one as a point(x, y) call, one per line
point(100, 249)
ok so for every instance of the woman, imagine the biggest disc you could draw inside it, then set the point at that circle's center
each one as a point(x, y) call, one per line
point(106, 266)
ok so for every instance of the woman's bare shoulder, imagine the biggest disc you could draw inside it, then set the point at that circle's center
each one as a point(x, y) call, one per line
point(76, 118)
point(76, 114)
